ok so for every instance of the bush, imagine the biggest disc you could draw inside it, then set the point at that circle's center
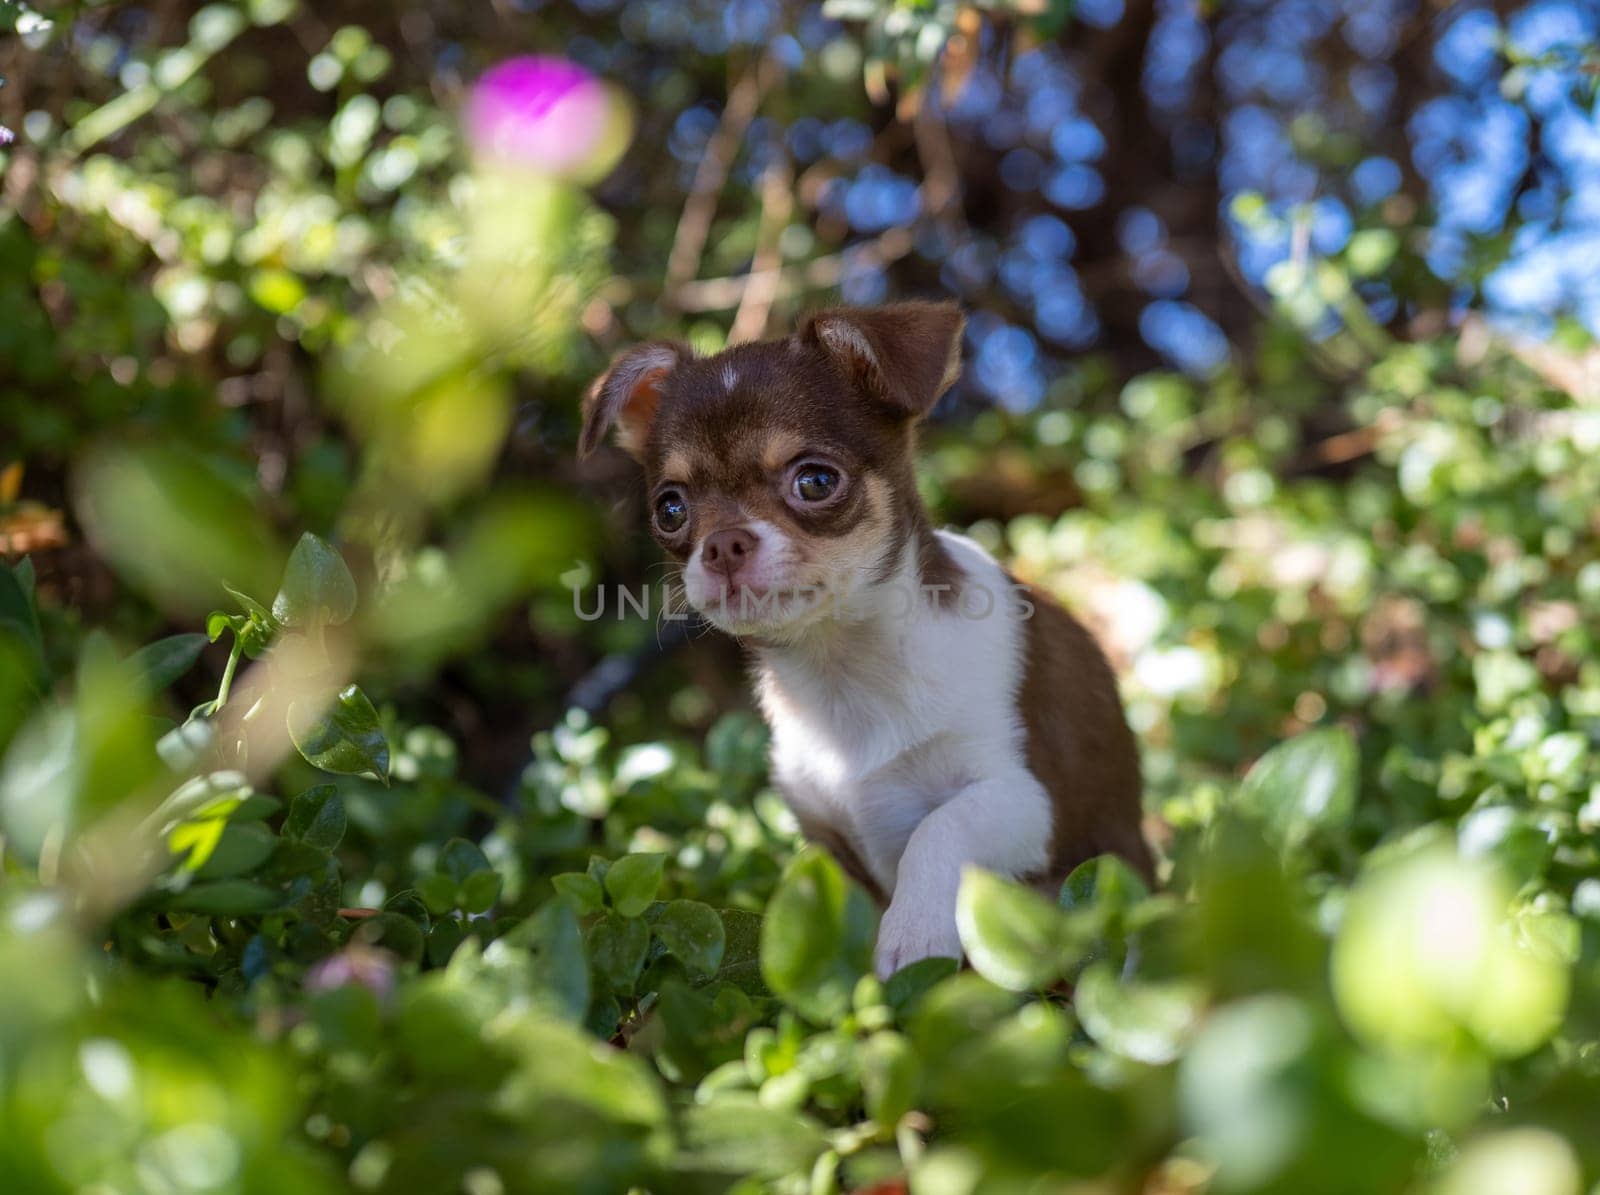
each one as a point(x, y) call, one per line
point(288, 393)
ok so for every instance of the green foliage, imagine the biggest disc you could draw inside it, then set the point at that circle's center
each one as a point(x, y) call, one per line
point(270, 919)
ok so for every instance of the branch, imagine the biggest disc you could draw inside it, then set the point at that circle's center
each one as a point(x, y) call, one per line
point(723, 294)
point(777, 202)
point(694, 223)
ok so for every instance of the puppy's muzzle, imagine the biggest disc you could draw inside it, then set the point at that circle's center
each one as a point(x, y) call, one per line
point(729, 551)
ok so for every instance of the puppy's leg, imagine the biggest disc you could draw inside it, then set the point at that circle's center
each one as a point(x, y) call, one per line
point(1001, 823)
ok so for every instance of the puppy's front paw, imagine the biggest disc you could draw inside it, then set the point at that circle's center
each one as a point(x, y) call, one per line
point(915, 930)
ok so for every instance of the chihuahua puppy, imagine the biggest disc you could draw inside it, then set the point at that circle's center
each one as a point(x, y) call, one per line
point(928, 713)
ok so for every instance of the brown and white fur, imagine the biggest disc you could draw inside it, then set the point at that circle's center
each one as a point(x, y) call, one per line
point(977, 725)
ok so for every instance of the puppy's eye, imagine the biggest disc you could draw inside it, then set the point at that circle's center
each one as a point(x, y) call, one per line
point(672, 512)
point(815, 483)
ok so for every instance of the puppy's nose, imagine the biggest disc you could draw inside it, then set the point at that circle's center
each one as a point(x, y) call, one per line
point(726, 551)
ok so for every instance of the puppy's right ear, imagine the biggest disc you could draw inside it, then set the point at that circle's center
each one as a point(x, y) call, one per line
point(627, 395)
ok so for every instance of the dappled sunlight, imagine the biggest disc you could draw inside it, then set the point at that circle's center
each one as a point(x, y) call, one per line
point(357, 834)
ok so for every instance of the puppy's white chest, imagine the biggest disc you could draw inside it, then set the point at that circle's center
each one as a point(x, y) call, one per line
point(827, 749)
point(871, 736)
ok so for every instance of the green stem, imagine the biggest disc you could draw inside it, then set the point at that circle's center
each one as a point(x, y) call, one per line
point(227, 676)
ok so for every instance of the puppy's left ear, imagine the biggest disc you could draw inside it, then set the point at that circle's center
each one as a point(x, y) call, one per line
point(627, 395)
point(905, 355)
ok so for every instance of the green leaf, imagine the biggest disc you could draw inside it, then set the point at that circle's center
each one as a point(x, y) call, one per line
point(1013, 936)
point(406, 903)
point(257, 807)
point(737, 1135)
point(741, 955)
point(440, 1031)
point(346, 1017)
point(214, 794)
point(239, 850)
point(1304, 785)
point(314, 895)
point(226, 898)
point(1370, 250)
point(632, 882)
point(252, 608)
point(816, 939)
point(316, 817)
point(277, 290)
point(296, 859)
point(617, 947)
point(346, 739)
point(393, 932)
point(564, 1082)
point(158, 664)
point(952, 1016)
point(438, 892)
point(889, 1075)
point(182, 747)
point(907, 986)
point(693, 933)
point(461, 859)
point(736, 747)
point(558, 969)
point(18, 619)
point(16, 596)
point(317, 587)
point(196, 840)
point(23, 572)
point(480, 891)
point(1147, 1022)
point(1105, 882)
point(582, 891)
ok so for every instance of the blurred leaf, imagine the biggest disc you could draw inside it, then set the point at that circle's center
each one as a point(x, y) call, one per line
point(185, 745)
point(1105, 882)
point(1426, 954)
point(1251, 930)
point(557, 966)
point(438, 892)
point(583, 891)
point(1147, 1022)
point(461, 859)
point(816, 938)
point(226, 898)
point(160, 663)
point(740, 1136)
point(1304, 785)
point(632, 881)
point(171, 522)
point(736, 747)
point(239, 850)
point(18, 619)
point(889, 1076)
point(479, 892)
point(1013, 936)
point(39, 780)
point(907, 986)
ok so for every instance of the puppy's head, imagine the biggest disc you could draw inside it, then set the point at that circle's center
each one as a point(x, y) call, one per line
point(780, 473)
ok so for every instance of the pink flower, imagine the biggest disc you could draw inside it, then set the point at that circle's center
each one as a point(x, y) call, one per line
point(368, 966)
point(545, 113)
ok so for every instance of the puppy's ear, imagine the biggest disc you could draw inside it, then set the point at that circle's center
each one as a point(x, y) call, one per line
point(905, 355)
point(627, 395)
